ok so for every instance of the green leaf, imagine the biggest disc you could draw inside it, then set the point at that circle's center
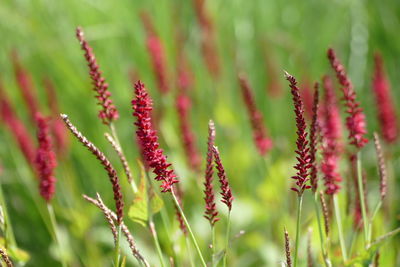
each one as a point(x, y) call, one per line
point(138, 211)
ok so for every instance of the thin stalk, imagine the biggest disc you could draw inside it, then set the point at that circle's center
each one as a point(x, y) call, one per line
point(296, 248)
point(321, 236)
point(340, 228)
point(377, 207)
point(212, 245)
point(189, 229)
point(155, 239)
point(191, 260)
point(228, 229)
point(362, 200)
point(53, 224)
point(117, 249)
point(115, 137)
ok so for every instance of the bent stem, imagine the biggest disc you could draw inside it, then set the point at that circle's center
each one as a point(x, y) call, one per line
point(53, 224)
point(340, 228)
point(296, 248)
point(227, 238)
point(189, 228)
point(321, 236)
point(362, 199)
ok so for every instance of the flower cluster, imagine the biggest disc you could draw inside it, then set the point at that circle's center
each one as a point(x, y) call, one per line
point(45, 159)
point(211, 212)
point(386, 110)
point(263, 142)
point(226, 192)
point(153, 154)
point(108, 113)
point(331, 134)
point(314, 129)
point(355, 120)
point(302, 151)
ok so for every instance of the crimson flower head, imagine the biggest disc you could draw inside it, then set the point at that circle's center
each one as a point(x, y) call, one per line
point(152, 153)
point(331, 134)
point(262, 141)
point(226, 192)
point(108, 113)
point(45, 159)
point(303, 152)
point(355, 120)
point(386, 110)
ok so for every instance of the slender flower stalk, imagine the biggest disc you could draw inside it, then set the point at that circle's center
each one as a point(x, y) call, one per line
point(108, 217)
point(156, 51)
point(355, 120)
point(331, 134)
point(6, 258)
point(384, 102)
point(131, 242)
point(262, 141)
point(325, 212)
point(112, 173)
point(227, 197)
point(25, 84)
point(287, 249)
point(154, 156)
point(19, 132)
point(108, 112)
point(45, 159)
point(314, 129)
point(381, 167)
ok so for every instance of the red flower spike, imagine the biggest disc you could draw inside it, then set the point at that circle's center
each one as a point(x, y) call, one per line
point(386, 110)
point(262, 141)
point(355, 120)
point(303, 152)
point(108, 113)
point(142, 106)
point(45, 159)
point(331, 134)
point(314, 129)
point(226, 192)
point(211, 212)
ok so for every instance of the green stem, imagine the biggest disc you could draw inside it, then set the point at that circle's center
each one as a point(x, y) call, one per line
point(212, 245)
point(53, 223)
point(378, 206)
point(362, 199)
point(156, 242)
point(117, 245)
point(227, 238)
point(296, 248)
point(340, 228)
point(189, 229)
point(321, 236)
point(191, 260)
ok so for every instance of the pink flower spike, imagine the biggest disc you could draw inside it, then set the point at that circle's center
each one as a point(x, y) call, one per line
point(152, 153)
point(45, 159)
point(386, 109)
point(226, 192)
point(303, 152)
point(108, 113)
point(355, 120)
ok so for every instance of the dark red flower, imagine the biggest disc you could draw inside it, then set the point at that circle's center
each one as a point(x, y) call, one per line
point(262, 141)
point(331, 134)
point(45, 158)
point(314, 129)
point(302, 151)
point(386, 111)
point(211, 212)
point(226, 192)
point(153, 154)
point(355, 120)
point(108, 113)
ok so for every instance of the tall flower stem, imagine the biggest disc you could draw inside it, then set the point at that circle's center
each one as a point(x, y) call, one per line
point(53, 223)
point(296, 248)
point(155, 240)
point(340, 228)
point(115, 137)
point(203, 263)
point(212, 245)
point(362, 199)
point(321, 236)
point(117, 255)
point(228, 229)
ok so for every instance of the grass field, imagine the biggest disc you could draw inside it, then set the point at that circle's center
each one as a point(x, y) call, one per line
point(212, 41)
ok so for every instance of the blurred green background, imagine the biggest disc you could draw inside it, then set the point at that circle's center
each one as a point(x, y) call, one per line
point(261, 38)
